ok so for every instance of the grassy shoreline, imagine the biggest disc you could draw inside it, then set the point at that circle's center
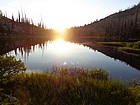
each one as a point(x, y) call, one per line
point(132, 48)
point(68, 86)
point(72, 86)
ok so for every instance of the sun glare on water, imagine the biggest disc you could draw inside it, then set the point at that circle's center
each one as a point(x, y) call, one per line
point(59, 46)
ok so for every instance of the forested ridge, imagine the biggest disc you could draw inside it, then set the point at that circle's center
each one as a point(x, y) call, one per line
point(125, 24)
point(20, 26)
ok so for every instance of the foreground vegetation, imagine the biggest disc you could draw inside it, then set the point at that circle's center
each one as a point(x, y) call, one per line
point(127, 47)
point(64, 86)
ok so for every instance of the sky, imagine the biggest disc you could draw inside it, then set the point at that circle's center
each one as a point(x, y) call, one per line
point(61, 14)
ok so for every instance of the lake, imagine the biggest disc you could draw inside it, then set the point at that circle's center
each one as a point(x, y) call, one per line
point(40, 57)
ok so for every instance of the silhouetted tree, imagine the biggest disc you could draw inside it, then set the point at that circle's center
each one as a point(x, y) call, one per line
point(19, 17)
point(1, 14)
point(5, 14)
point(12, 17)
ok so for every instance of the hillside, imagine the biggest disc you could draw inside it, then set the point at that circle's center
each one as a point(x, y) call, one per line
point(124, 24)
point(20, 26)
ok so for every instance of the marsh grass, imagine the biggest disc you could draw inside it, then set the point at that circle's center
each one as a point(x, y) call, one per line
point(71, 86)
point(135, 89)
point(132, 48)
point(116, 44)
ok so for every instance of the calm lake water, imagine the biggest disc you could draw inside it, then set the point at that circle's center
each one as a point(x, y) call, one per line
point(41, 57)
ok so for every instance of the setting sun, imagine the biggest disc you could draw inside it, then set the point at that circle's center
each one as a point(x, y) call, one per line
point(60, 31)
point(70, 52)
point(60, 14)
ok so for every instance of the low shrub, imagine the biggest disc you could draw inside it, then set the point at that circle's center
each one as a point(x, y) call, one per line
point(71, 86)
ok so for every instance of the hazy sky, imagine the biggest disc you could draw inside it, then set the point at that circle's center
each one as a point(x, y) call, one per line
point(65, 13)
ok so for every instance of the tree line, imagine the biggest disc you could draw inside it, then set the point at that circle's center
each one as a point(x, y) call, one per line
point(124, 24)
point(20, 26)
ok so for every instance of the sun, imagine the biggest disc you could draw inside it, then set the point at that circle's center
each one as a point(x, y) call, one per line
point(60, 35)
point(60, 30)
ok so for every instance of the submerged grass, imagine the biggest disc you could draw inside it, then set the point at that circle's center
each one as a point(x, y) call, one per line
point(72, 86)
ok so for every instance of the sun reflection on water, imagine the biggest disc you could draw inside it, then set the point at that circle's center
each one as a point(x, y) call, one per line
point(59, 46)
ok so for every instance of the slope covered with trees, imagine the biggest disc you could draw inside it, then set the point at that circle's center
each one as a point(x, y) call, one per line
point(124, 24)
point(20, 26)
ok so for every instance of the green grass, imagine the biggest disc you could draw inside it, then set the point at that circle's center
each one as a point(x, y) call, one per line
point(72, 86)
point(135, 45)
point(116, 44)
point(130, 50)
point(69, 86)
point(127, 47)
point(135, 89)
